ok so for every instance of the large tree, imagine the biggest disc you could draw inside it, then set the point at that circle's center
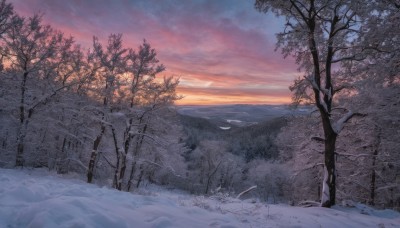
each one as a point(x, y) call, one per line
point(323, 36)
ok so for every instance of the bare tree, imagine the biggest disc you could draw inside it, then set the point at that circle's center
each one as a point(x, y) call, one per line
point(321, 35)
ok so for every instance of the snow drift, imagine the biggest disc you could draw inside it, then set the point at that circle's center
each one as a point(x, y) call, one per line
point(36, 198)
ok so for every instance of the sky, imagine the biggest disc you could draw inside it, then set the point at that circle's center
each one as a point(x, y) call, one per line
point(223, 51)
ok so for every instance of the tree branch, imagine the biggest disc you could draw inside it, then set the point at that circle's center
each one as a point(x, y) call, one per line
point(338, 126)
point(246, 191)
point(318, 139)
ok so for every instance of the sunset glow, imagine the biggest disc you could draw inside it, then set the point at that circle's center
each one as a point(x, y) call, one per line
point(222, 51)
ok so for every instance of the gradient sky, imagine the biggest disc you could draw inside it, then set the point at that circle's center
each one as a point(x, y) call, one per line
point(222, 50)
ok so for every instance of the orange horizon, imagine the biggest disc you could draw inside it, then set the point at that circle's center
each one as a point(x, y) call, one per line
point(195, 100)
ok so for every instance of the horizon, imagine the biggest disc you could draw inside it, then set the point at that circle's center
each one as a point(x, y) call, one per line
point(238, 104)
point(223, 52)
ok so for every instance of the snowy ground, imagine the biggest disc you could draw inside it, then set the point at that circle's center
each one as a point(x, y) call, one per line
point(35, 198)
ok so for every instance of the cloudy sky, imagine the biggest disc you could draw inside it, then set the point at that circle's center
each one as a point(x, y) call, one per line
point(223, 51)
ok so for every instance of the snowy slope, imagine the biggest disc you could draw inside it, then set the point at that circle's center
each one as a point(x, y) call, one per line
point(35, 198)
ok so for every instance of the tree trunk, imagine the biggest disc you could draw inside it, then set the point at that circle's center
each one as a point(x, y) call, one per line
point(118, 153)
point(136, 151)
point(373, 174)
point(140, 177)
point(19, 161)
point(93, 156)
point(61, 158)
point(328, 197)
point(373, 179)
point(122, 171)
point(131, 176)
point(127, 142)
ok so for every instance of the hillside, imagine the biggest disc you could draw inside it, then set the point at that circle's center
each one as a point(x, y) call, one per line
point(36, 198)
point(249, 130)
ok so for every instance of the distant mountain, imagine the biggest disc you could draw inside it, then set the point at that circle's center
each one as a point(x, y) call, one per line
point(242, 114)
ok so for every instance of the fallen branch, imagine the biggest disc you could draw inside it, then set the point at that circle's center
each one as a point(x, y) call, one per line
point(309, 203)
point(246, 191)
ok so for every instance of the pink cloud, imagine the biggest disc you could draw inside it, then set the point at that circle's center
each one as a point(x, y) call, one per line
point(229, 47)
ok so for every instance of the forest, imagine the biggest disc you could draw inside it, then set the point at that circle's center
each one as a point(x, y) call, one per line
point(107, 112)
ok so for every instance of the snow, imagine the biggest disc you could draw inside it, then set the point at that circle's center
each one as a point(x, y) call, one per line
point(234, 121)
point(37, 198)
point(225, 128)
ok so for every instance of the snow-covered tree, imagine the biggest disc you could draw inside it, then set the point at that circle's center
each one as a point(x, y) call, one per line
point(70, 110)
point(323, 37)
point(373, 146)
point(7, 15)
point(110, 64)
point(128, 95)
point(370, 142)
point(42, 62)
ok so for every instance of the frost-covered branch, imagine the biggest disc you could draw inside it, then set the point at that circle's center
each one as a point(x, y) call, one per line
point(339, 124)
point(353, 58)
